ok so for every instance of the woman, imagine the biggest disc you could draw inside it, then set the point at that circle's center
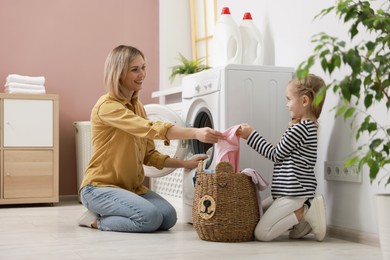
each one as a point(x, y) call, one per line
point(122, 139)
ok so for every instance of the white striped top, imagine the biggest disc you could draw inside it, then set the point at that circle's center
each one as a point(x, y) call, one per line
point(295, 157)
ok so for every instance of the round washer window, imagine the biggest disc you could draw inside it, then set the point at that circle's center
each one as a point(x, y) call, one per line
point(203, 119)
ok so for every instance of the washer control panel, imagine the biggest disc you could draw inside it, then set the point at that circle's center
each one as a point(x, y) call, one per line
point(201, 83)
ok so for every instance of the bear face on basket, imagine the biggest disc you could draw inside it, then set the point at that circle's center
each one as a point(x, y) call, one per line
point(225, 205)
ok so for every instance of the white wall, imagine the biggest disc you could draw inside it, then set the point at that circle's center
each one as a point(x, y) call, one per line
point(287, 27)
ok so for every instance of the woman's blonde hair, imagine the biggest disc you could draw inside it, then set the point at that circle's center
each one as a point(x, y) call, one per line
point(116, 67)
point(310, 86)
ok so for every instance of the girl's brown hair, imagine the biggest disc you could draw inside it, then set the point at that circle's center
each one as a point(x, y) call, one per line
point(116, 67)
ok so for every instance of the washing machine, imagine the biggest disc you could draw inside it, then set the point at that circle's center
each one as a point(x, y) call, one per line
point(220, 98)
point(226, 96)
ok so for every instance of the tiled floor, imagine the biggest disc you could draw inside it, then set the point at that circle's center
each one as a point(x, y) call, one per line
point(50, 232)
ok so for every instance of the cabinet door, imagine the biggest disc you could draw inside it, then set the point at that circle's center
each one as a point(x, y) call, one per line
point(28, 123)
point(28, 174)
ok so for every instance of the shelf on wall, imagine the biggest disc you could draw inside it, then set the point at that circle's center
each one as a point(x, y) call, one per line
point(168, 96)
point(167, 92)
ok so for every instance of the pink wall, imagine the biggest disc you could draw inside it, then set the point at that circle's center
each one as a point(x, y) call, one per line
point(67, 42)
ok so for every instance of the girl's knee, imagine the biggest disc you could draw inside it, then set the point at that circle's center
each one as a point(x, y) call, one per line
point(263, 234)
point(264, 237)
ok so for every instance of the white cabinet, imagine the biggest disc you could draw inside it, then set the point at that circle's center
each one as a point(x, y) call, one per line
point(29, 149)
point(28, 123)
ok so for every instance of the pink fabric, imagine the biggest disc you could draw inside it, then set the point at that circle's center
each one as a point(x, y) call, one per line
point(260, 184)
point(257, 179)
point(228, 150)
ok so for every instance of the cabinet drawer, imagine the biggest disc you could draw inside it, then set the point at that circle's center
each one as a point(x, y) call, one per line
point(28, 174)
point(28, 123)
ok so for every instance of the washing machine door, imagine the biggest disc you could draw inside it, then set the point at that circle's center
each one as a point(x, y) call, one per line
point(177, 148)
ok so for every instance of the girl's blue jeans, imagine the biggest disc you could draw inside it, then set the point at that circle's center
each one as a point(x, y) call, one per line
point(125, 211)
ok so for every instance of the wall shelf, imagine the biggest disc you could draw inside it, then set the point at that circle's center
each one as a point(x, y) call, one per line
point(169, 96)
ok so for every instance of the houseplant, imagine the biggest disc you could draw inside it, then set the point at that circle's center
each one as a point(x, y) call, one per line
point(187, 67)
point(365, 85)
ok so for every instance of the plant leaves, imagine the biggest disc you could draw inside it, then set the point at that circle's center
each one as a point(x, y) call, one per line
point(365, 75)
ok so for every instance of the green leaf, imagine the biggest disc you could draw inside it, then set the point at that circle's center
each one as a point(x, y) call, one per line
point(375, 143)
point(341, 110)
point(352, 161)
point(368, 67)
point(310, 62)
point(324, 64)
point(368, 100)
point(370, 47)
point(324, 53)
point(349, 113)
point(353, 31)
point(320, 95)
point(372, 127)
point(355, 87)
point(336, 61)
point(374, 169)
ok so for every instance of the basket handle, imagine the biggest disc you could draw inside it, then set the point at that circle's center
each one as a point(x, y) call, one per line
point(200, 166)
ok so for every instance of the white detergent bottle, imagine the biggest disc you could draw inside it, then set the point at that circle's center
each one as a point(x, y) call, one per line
point(252, 42)
point(227, 46)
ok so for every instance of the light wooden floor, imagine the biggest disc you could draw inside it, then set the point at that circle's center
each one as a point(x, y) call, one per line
point(51, 232)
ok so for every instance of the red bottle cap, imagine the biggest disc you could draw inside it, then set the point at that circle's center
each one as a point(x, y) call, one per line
point(247, 16)
point(225, 10)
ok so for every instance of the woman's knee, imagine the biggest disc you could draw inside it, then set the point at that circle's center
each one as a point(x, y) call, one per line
point(151, 219)
point(143, 221)
point(169, 219)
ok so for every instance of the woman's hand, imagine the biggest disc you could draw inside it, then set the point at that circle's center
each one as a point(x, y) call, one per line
point(244, 131)
point(205, 134)
point(187, 164)
point(208, 135)
point(193, 163)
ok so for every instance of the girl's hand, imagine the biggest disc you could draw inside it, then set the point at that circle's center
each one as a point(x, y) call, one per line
point(245, 130)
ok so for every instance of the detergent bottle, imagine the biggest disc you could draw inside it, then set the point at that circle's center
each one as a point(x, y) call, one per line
point(227, 46)
point(252, 42)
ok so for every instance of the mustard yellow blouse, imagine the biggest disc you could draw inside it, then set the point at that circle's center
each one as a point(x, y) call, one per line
point(122, 141)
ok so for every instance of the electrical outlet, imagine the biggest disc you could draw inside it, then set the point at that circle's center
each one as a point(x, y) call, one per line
point(335, 171)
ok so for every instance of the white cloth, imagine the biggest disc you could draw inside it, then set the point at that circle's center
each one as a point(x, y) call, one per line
point(26, 79)
point(16, 85)
point(24, 91)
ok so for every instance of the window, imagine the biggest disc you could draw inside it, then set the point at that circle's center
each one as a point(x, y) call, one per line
point(203, 19)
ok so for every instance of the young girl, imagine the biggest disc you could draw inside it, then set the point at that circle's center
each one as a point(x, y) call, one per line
point(294, 183)
point(122, 138)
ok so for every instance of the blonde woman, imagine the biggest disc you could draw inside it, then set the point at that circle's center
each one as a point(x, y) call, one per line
point(122, 137)
point(293, 203)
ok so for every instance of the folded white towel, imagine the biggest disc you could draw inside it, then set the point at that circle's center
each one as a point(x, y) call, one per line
point(26, 79)
point(24, 86)
point(24, 91)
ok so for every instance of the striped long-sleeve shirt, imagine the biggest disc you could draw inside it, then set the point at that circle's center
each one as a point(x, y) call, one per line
point(294, 156)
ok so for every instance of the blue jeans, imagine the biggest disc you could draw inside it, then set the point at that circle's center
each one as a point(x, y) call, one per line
point(125, 211)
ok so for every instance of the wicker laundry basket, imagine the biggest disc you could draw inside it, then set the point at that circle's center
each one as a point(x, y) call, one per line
point(225, 207)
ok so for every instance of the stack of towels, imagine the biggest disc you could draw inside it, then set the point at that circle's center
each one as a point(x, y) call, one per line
point(19, 84)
